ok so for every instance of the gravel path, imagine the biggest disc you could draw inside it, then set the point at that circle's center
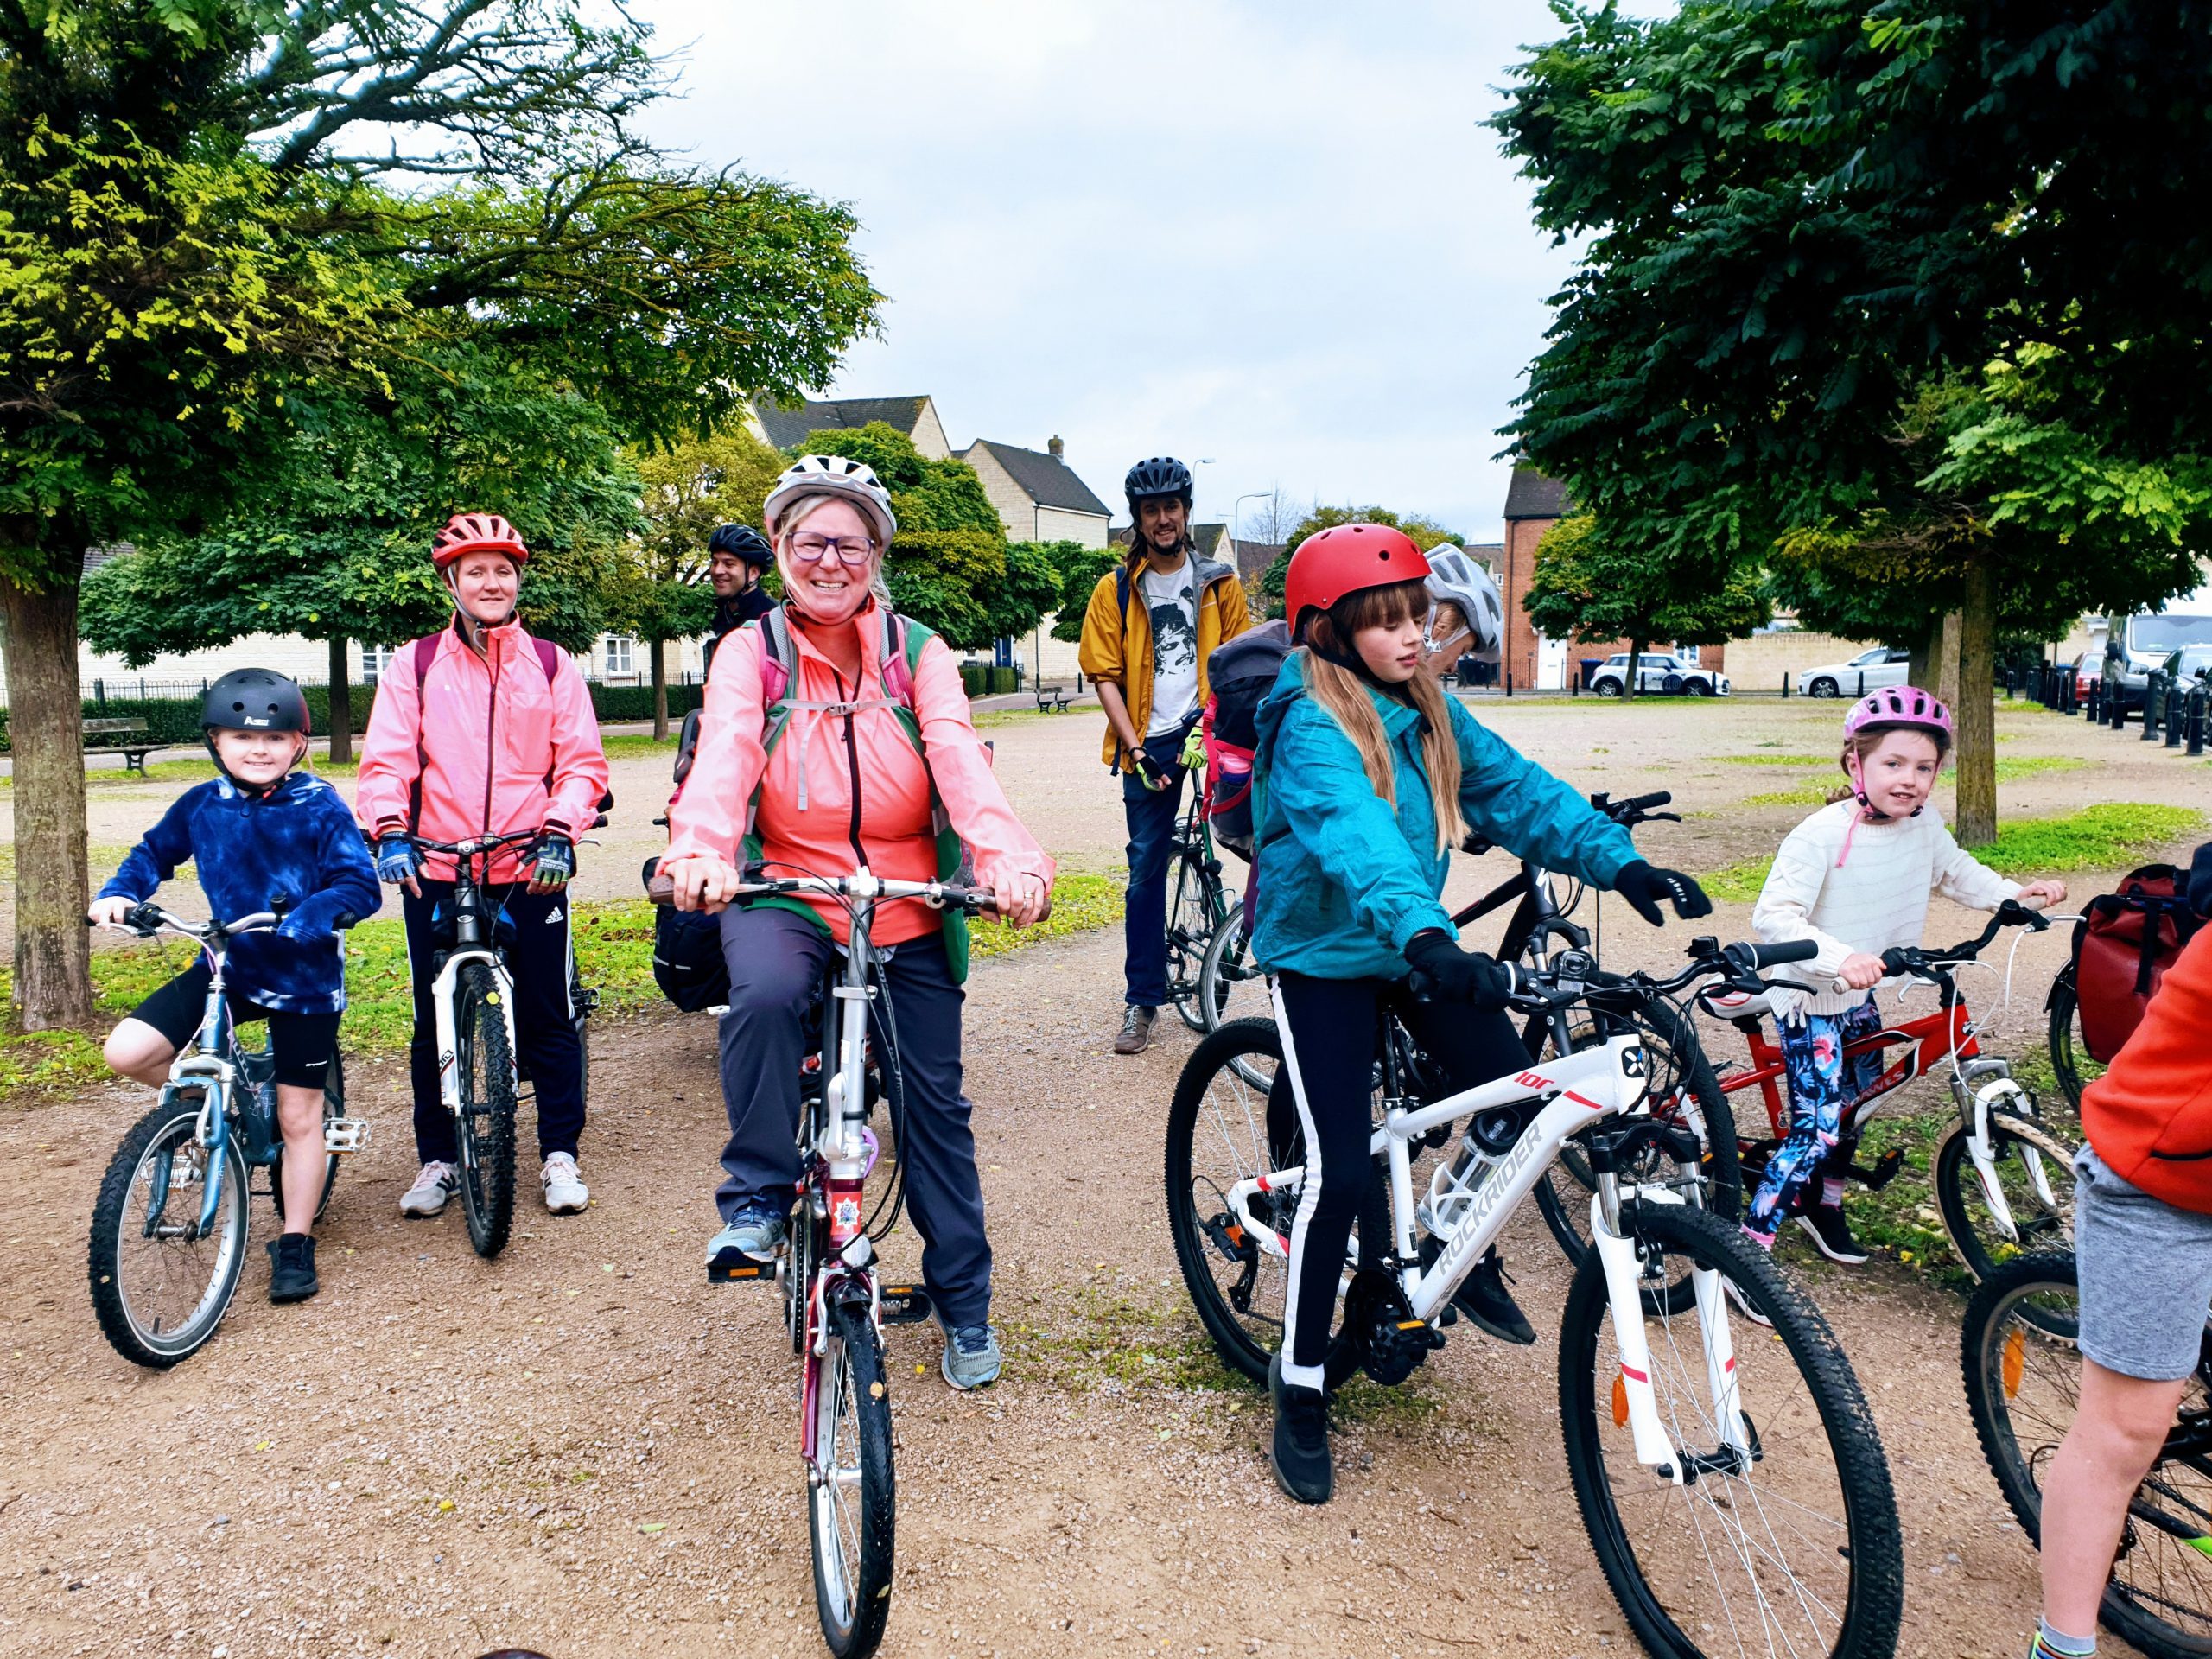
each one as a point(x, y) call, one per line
point(585, 1449)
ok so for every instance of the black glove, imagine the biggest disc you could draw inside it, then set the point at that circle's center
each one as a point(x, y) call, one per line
point(1148, 771)
point(1442, 969)
point(1644, 888)
point(2200, 881)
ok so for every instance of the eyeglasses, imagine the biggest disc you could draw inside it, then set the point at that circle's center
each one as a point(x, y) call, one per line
point(848, 549)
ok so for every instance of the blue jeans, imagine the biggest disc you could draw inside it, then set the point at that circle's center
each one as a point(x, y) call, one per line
point(1151, 817)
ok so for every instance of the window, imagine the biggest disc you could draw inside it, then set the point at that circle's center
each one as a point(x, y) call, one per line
point(374, 660)
point(1870, 658)
point(619, 658)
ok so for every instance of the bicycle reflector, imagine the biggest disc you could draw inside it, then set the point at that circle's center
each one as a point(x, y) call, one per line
point(1620, 1401)
point(2016, 1356)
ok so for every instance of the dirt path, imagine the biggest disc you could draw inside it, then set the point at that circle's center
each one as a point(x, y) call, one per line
point(585, 1449)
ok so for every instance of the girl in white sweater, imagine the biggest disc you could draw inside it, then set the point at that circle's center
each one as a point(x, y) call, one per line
point(1855, 877)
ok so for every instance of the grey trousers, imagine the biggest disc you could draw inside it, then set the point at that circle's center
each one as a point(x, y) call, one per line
point(777, 963)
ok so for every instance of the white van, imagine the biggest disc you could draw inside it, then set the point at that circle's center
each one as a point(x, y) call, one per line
point(2144, 641)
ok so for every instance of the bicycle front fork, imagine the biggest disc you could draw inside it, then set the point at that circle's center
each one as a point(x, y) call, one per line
point(2000, 1093)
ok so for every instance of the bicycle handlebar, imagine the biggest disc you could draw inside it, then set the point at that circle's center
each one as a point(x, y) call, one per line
point(1574, 977)
point(146, 918)
point(1905, 961)
point(1639, 808)
point(938, 895)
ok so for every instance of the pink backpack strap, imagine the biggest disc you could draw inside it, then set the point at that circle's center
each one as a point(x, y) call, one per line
point(897, 673)
point(426, 651)
point(549, 658)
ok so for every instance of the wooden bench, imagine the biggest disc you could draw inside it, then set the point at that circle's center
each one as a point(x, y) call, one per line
point(1053, 699)
point(126, 736)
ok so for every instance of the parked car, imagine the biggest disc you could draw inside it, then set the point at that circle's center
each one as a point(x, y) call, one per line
point(2142, 643)
point(2189, 663)
point(1658, 671)
point(2088, 668)
point(1883, 665)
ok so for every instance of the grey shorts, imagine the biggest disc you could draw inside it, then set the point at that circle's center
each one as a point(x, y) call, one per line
point(2146, 1275)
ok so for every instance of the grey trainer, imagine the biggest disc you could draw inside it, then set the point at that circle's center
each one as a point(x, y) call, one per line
point(755, 1233)
point(972, 1357)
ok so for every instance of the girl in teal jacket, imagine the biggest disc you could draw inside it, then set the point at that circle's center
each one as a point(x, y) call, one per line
point(1367, 775)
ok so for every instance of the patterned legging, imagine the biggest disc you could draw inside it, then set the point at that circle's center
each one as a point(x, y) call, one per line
point(1821, 1081)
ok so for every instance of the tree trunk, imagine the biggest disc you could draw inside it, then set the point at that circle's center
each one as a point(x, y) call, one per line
point(654, 649)
point(53, 982)
point(1975, 710)
point(1635, 656)
point(1947, 660)
point(1927, 651)
point(341, 706)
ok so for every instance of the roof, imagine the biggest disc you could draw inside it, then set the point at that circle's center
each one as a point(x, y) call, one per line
point(1046, 479)
point(790, 424)
point(1254, 557)
point(1531, 495)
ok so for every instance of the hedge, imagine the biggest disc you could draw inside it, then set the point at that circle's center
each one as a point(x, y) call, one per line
point(983, 680)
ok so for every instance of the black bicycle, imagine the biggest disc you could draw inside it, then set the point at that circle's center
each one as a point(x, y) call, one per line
point(1199, 904)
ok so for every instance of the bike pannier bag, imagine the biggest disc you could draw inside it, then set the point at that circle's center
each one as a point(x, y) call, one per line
point(1240, 673)
point(2122, 948)
point(2150, 1116)
point(688, 962)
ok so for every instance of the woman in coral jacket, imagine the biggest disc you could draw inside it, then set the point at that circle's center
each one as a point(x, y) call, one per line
point(837, 790)
point(481, 730)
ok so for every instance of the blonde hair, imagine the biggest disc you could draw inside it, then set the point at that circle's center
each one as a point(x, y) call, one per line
point(804, 507)
point(1345, 696)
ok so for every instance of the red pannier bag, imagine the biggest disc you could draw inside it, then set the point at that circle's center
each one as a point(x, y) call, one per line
point(2122, 948)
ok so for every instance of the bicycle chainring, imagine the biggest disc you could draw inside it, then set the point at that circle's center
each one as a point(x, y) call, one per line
point(1393, 1344)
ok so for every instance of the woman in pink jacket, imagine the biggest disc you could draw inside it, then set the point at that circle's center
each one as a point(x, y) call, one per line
point(481, 730)
point(838, 791)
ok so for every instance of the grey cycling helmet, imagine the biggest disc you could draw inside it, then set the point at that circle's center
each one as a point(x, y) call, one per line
point(1456, 579)
point(833, 476)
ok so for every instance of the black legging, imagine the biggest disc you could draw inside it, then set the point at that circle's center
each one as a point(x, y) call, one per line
point(1333, 1025)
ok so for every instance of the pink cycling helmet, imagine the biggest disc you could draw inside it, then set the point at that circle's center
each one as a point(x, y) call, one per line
point(1899, 705)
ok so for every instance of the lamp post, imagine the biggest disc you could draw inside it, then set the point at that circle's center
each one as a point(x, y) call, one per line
point(1236, 512)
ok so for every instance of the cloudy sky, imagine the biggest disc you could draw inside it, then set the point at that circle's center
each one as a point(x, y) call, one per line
point(1272, 236)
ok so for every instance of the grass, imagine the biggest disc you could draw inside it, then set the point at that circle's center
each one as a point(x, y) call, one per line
point(1764, 760)
point(614, 951)
point(2105, 838)
point(2010, 768)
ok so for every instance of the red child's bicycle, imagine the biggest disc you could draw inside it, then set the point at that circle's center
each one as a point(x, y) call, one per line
point(2003, 1179)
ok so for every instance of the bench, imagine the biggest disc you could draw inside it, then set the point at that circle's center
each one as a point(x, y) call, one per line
point(1052, 699)
point(126, 736)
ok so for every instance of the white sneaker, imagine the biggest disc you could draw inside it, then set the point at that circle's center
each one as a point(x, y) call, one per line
point(433, 1186)
point(565, 1191)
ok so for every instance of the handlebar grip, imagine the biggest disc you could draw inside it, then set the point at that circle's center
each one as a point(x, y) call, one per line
point(1753, 957)
point(1658, 798)
point(661, 890)
point(1895, 962)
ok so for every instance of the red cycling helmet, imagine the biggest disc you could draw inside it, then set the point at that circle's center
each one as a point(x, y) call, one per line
point(1344, 559)
point(476, 532)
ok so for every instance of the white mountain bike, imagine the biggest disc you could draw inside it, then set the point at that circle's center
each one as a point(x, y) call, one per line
point(1738, 1501)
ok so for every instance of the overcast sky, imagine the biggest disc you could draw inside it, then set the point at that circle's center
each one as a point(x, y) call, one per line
point(1275, 237)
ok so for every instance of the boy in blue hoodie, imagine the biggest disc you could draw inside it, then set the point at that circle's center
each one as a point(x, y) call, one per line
point(262, 837)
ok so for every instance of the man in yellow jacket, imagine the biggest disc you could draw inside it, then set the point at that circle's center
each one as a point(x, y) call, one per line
point(1146, 634)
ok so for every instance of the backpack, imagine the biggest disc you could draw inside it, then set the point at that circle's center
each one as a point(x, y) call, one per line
point(426, 652)
point(1239, 675)
point(688, 962)
point(2150, 1116)
point(2122, 947)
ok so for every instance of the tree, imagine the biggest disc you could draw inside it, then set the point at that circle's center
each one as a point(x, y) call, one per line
point(1028, 591)
point(1426, 531)
point(196, 241)
point(1080, 568)
point(1596, 586)
point(1792, 322)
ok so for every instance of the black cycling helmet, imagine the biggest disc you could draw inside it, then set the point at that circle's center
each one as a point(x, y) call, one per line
point(255, 700)
point(1161, 475)
point(744, 541)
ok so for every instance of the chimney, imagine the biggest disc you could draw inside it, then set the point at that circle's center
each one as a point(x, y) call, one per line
point(1058, 450)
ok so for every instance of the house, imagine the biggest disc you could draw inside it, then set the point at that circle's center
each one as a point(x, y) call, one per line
point(782, 426)
point(1037, 495)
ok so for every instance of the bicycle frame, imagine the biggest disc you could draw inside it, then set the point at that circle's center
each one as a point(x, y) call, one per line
point(472, 943)
point(207, 1065)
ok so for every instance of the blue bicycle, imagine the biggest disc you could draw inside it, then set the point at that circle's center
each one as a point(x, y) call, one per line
point(169, 1228)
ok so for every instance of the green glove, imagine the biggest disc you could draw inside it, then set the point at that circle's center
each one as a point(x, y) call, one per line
point(1193, 757)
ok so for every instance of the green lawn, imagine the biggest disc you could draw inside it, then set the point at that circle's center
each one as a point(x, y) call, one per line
point(2010, 768)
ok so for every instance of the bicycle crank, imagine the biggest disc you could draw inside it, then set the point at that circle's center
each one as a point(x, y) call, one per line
point(1393, 1344)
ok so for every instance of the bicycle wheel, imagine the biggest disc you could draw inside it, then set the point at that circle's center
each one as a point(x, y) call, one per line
point(160, 1286)
point(1684, 1091)
point(1198, 908)
point(2023, 1377)
point(1967, 1217)
point(851, 1499)
point(1792, 1549)
point(1231, 986)
point(2069, 1055)
point(334, 1106)
point(582, 1000)
point(485, 1129)
point(1218, 1133)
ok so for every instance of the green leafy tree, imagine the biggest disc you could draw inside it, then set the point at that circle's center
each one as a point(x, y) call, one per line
point(1080, 568)
point(1594, 586)
point(1025, 596)
point(1425, 531)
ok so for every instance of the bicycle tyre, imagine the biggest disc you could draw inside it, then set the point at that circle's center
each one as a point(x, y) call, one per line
point(1958, 1194)
point(1228, 966)
point(2069, 1059)
point(852, 1587)
point(1240, 1348)
point(580, 1003)
point(334, 1105)
point(1985, 1357)
point(1870, 1550)
point(1197, 912)
point(129, 1322)
point(485, 1131)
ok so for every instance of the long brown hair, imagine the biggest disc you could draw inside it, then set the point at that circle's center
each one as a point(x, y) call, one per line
point(1345, 695)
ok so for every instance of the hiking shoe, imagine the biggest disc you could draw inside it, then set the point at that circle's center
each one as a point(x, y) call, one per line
point(434, 1184)
point(972, 1357)
point(1137, 1029)
point(565, 1191)
point(1831, 1234)
point(1484, 1299)
point(1299, 1451)
point(757, 1234)
point(291, 1263)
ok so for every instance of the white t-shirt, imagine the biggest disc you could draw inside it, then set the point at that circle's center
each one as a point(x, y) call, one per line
point(1172, 601)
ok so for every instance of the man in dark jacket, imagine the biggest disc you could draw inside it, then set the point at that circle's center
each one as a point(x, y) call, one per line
point(737, 557)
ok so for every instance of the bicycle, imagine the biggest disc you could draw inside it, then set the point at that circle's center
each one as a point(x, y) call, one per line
point(2023, 1378)
point(162, 1279)
point(835, 1304)
point(471, 1002)
point(1196, 907)
point(1703, 1518)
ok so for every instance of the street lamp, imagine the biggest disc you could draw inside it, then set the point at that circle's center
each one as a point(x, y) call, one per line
point(1235, 517)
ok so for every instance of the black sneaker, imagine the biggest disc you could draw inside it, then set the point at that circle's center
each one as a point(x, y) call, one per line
point(1484, 1299)
point(1301, 1449)
point(291, 1260)
point(1831, 1235)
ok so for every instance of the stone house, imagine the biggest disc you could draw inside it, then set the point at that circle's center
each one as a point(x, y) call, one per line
point(781, 426)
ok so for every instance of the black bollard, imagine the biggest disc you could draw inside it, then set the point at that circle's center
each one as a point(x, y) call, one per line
point(2196, 701)
point(2153, 691)
point(2175, 704)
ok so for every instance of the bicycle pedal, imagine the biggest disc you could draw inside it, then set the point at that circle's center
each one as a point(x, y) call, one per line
point(343, 1135)
point(905, 1304)
point(1885, 1171)
point(743, 1270)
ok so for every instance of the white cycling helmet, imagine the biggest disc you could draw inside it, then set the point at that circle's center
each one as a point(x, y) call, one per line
point(1455, 579)
point(833, 476)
